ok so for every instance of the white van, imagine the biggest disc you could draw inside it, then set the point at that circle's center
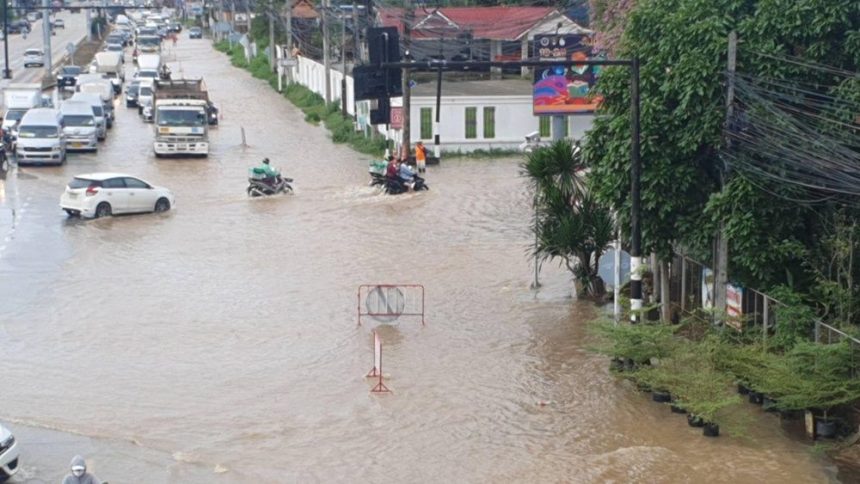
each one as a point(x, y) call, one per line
point(98, 84)
point(95, 102)
point(41, 138)
point(79, 126)
point(145, 96)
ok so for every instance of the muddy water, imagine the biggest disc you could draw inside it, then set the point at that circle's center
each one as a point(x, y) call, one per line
point(218, 342)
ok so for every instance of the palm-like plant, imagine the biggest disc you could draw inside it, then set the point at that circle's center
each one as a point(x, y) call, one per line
point(571, 224)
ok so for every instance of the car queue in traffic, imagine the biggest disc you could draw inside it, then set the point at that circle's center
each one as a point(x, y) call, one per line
point(50, 129)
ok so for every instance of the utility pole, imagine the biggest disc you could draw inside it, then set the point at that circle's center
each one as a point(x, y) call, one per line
point(437, 135)
point(342, 61)
point(326, 57)
point(46, 32)
point(356, 54)
point(290, 27)
point(406, 142)
point(635, 197)
point(721, 276)
point(272, 64)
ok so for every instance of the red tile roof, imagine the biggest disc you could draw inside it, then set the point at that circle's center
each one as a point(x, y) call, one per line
point(493, 23)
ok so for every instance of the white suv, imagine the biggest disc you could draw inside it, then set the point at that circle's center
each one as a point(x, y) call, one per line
point(34, 57)
point(8, 454)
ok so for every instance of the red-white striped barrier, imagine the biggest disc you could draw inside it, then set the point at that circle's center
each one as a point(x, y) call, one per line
point(376, 371)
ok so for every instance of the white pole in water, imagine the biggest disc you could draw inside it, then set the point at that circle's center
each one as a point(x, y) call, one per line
point(616, 282)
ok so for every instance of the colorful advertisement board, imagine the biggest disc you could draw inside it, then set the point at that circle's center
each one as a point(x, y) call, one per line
point(560, 90)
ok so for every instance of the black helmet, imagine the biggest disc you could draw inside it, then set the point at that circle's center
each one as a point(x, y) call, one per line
point(266, 161)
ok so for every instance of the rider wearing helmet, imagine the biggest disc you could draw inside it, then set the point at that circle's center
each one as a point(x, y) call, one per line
point(266, 169)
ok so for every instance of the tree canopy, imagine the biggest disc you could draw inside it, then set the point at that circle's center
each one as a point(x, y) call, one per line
point(683, 47)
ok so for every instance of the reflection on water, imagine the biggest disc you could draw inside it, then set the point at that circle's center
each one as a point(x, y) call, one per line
point(223, 333)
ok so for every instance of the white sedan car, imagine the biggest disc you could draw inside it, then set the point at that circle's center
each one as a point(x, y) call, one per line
point(34, 57)
point(8, 454)
point(103, 194)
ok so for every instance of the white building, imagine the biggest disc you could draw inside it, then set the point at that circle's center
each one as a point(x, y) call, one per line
point(474, 115)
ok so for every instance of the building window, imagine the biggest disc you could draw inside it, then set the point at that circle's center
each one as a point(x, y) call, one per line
point(426, 123)
point(471, 123)
point(565, 128)
point(545, 126)
point(489, 122)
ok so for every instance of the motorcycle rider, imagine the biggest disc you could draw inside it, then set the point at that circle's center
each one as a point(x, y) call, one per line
point(406, 174)
point(79, 474)
point(270, 173)
point(391, 169)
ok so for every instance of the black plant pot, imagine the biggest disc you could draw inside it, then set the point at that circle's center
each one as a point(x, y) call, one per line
point(629, 364)
point(743, 390)
point(756, 397)
point(769, 405)
point(825, 428)
point(711, 430)
point(694, 421)
point(661, 396)
point(677, 409)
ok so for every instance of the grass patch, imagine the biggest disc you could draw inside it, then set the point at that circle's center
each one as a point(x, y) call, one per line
point(484, 154)
point(312, 104)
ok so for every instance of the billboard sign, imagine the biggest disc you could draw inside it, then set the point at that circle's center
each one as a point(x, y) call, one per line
point(560, 90)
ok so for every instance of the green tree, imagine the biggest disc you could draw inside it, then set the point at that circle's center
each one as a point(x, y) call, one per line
point(683, 47)
point(571, 224)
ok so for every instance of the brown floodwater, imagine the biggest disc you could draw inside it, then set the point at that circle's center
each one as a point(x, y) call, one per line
point(218, 342)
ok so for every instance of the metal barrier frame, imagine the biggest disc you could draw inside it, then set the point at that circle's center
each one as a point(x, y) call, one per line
point(388, 286)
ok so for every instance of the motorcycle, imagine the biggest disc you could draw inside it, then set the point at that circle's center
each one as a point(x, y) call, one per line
point(396, 186)
point(263, 187)
point(392, 186)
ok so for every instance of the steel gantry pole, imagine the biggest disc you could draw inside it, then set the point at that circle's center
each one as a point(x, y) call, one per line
point(7, 73)
point(46, 32)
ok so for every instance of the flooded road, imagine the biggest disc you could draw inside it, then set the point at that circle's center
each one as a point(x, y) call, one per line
point(218, 342)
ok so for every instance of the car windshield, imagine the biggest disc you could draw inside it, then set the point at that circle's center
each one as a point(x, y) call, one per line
point(149, 41)
point(71, 70)
point(14, 115)
point(173, 117)
point(79, 120)
point(114, 47)
point(149, 74)
point(145, 91)
point(77, 183)
point(37, 132)
point(32, 52)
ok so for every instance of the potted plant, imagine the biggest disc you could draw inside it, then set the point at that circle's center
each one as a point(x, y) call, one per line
point(700, 387)
point(634, 344)
point(822, 378)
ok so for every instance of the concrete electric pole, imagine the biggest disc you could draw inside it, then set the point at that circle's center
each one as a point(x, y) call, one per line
point(326, 48)
point(406, 143)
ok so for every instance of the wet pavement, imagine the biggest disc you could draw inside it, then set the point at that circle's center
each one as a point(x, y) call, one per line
point(218, 342)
